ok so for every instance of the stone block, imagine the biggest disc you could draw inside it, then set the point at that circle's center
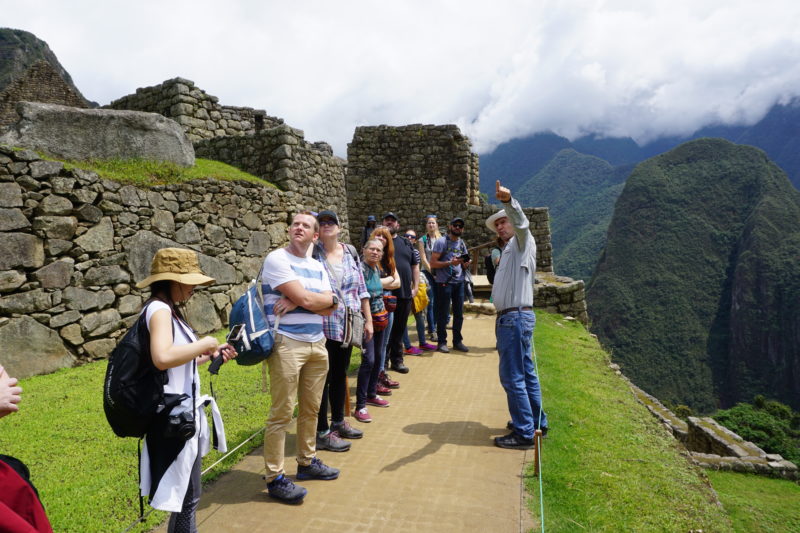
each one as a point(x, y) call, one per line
point(44, 169)
point(56, 227)
point(10, 195)
point(56, 247)
point(72, 133)
point(26, 302)
point(21, 250)
point(258, 244)
point(98, 238)
point(163, 222)
point(65, 318)
point(85, 300)
point(100, 348)
point(29, 348)
point(215, 234)
point(201, 312)
point(72, 334)
point(100, 323)
point(11, 219)
point(11, 280)
point(56, 275)
point(105, 275)
point(54, 204)
point(188, 234)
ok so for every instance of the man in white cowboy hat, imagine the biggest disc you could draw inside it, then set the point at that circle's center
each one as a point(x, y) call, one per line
point(297, 288)
point(512, 295)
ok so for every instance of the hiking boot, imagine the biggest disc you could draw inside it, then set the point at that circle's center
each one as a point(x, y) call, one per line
point(400, 367)
point(332, 442)
point(388, 382)
point(281, 488)
point(317, 470)
point(377, 401)
point(514, 441)
point(413, 351)
point(383, 390)
point(460, 347)
point(427, 347)
point(346, 431)
point(443, 348)
point(362, 415)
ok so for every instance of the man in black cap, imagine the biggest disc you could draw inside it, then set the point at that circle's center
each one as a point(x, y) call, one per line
point(449, 262)
point(407, 264)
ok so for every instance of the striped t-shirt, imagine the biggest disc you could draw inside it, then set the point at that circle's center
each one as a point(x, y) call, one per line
point(281, 267)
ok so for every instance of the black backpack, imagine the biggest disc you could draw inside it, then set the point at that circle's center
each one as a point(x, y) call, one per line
point(490, 270)
point(133, 392)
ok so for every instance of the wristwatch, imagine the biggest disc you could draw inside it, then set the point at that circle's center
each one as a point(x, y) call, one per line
point(335, 301)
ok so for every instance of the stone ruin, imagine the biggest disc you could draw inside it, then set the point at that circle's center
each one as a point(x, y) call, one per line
point(713, 446)
point(39, 83)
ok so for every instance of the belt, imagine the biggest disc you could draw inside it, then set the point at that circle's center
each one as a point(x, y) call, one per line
point(513, 309)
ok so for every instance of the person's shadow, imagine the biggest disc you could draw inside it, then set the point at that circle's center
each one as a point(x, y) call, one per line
point(463, 433)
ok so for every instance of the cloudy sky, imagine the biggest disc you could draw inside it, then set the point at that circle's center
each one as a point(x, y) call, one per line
point(499, 69)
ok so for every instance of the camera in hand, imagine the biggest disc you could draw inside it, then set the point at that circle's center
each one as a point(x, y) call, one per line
point(465, 258)
point(180, 426)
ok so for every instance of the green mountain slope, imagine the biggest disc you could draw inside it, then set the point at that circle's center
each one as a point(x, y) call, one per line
point(696, 292)
point(580, 191)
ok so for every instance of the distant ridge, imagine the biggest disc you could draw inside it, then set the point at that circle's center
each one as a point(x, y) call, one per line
point(19, 50)
point(697, 292)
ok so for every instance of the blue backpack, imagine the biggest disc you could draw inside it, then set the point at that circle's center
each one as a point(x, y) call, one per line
point(250, 332)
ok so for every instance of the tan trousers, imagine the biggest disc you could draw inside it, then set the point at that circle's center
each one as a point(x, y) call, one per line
point(296, 370)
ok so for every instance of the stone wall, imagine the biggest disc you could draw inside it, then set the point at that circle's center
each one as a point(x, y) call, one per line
point(199, 113)
point(74, 245)
point(714, 446)
point(281, 156)
point(40, 83)
point(560, 294)
point(419, 169)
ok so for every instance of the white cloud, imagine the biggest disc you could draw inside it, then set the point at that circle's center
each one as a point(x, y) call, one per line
point(499, 70)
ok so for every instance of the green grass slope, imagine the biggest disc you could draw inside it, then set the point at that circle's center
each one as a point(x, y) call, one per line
point(696, 293)
point(86, 476)
point(607, 465)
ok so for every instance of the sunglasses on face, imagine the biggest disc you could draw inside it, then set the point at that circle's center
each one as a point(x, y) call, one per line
point(327, 222)
point(409, 236)
point(460, 226)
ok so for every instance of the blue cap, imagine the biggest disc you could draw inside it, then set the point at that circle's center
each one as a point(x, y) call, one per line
point(371, 218)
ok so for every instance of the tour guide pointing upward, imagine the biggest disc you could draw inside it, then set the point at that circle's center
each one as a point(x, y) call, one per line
point(512, 295)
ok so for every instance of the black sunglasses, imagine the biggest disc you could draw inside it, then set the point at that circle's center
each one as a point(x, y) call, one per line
point(458, 225)
point(409, 236)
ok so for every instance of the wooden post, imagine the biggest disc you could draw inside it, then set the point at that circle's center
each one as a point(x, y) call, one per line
point(537, 450)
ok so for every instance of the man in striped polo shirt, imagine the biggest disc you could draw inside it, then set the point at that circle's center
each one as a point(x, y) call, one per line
point(296, 288)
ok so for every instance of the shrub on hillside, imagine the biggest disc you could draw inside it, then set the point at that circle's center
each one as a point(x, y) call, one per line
point(767, 423)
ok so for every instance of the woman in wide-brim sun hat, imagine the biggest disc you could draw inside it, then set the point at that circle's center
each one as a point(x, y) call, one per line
point(170, 462)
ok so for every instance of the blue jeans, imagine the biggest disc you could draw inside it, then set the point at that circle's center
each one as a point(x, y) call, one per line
point(445, 294)
point(430, 311)
point(514, 331)
point(419, 319)
point(380, 354)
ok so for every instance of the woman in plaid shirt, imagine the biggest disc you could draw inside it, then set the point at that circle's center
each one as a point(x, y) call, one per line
point(347, 280)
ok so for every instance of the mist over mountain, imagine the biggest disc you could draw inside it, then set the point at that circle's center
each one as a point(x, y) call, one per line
point(697, 291)
point(517, 161)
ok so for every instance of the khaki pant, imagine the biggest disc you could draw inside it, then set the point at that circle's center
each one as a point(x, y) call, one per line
point(296, 370)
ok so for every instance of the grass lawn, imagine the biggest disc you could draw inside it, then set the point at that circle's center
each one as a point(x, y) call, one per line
point(607, 465)
point(88, 477)
point(758, 504)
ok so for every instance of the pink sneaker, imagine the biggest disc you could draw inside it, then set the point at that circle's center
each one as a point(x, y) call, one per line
point(362, 415)
point(413, 351)
point(427, 347)
point(377, 401)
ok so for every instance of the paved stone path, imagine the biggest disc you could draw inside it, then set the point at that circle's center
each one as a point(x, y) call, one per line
point(427, 463)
